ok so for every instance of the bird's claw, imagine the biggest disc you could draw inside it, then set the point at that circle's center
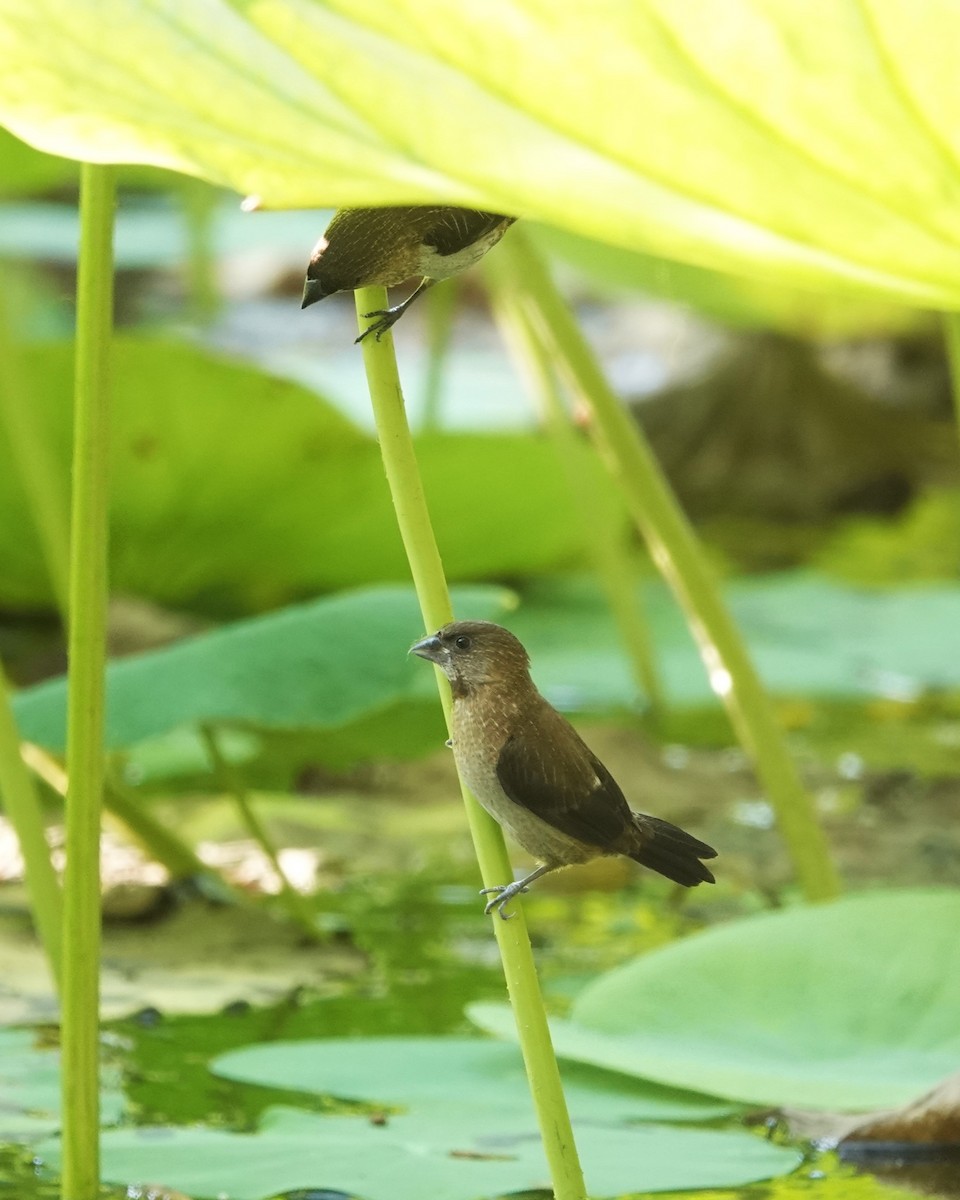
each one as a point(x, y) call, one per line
point(502, 895)
point(388, 317)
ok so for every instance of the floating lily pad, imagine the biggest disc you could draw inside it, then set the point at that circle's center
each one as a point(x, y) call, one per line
point(319, 665)
point(30, 1089)
point(850, 1005)
point(445, 1073)
point(409, 1158)
point(807, 634)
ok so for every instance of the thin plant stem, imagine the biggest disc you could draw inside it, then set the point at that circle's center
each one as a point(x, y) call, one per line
point(200, 201)
point(413, 518)
point(134, 815)
point(21, 801)
point(951, 333)
point(680, 560)
point(295, 904)
point(33, 460)
point(441, 302)
point(131, 812)
point(602, 537)
point(156, 839)
point(86, 649)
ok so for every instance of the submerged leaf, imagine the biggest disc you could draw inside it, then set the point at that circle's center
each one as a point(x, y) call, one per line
point(934, 1118)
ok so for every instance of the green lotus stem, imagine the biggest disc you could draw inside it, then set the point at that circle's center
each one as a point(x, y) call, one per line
point(951, 333)
point(413, 518)
point(295, 904)
point(86, 648)
point(679, 558)
point(441, 305)
point(32, 456)
point(135, 816)
point(162, 843)
point(21, 802)
point(200, 201)
point(602, 537)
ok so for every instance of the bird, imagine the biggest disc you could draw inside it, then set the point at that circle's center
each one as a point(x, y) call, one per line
point(366, 246)
point(532, 772)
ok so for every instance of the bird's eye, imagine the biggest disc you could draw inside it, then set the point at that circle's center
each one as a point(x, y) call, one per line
point(462, 642)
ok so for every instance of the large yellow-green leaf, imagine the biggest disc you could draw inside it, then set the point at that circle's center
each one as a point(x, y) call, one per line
point(734, 299)
point(815, 141)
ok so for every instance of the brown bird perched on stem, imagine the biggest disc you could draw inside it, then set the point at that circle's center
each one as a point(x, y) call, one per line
point(366, 246)
point(530, 769)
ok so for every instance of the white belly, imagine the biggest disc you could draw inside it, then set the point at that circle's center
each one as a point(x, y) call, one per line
point(441, 266)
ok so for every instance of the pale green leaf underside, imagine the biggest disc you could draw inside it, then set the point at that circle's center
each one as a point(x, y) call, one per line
point(850, 1005)
point(814, 143)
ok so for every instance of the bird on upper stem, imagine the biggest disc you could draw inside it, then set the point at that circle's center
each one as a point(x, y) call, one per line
point(364, 247)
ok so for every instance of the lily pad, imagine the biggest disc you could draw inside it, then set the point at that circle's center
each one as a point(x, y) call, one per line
point(807, 634)
point(408, 1158)
point(319, 665)
point(30, 1089)
point(324, 665)
point(850, 1005)
point(444, 1074)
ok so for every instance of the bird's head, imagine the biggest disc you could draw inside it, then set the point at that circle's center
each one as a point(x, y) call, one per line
point(335, 266)
point(365, 246)
point(474, 653)
point(319, 283)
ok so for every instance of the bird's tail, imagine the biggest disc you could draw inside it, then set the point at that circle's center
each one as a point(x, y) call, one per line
point(671, 851)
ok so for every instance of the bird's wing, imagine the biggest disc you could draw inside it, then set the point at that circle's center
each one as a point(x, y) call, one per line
point(564, 784)
point(456, 228)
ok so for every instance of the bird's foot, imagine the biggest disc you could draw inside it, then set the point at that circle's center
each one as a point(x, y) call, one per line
point(388, 317)
point(502, 895)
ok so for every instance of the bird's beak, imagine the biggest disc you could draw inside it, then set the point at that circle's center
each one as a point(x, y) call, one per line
point(430, 648)
point(312, 292)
